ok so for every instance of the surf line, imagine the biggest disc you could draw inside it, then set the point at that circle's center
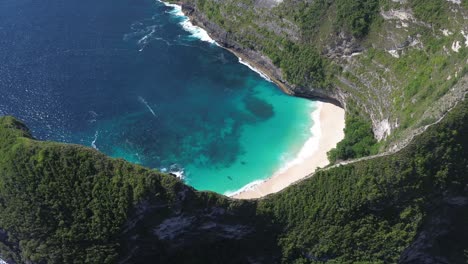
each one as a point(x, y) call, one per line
point(142, 100)
point(195, 31)
point(93, 143)
point(202, 34)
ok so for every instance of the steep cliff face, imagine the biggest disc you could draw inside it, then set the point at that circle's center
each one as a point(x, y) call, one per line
point(64, 203)
point(70, 204)
point(402, 63)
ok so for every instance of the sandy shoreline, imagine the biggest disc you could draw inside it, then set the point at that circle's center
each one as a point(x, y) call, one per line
point(331, 124)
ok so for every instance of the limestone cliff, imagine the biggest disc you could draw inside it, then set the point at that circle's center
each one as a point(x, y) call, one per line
point(63, 203)
point(403, 70)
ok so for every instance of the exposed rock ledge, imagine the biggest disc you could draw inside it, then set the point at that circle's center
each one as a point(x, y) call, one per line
point(259, 61)
point(383, 122)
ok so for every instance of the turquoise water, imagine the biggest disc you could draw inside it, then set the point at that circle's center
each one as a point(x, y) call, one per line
point(266, 146)
point(136, 81)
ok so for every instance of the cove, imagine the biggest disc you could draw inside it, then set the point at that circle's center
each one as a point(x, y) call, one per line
point(135, 80)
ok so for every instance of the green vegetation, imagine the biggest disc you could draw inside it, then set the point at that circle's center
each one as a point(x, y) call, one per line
point(359, 140)
point(307, 15)
point(63, 203)
point(303, 66)
point(432, 11)
point(427, 75)
point(370, 211)
point(301, 63)
point(312, 41)
point(356, 16)
point(300, 60)
point(352, 16)
point(69, 204)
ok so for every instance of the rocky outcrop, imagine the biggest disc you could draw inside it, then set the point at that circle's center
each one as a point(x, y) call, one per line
point(372, 83)
point(260, 61)
point(441, 241)
point(193, 225)
point(411, 207)
point(267, 3)
point(343, 46)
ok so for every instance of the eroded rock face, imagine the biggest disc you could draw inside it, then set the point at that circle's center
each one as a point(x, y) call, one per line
point(267, 3)
point(260, 61)
point(343, 46)
point(413, 204)
point(368, 78)
point(181, 228)
point(382, 130)
point(438, 232)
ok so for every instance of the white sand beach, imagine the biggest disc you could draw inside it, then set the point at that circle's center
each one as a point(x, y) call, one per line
point(328, 131)
point(329, 122)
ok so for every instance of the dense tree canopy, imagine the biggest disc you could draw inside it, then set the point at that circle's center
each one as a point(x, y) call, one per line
point(70, 204)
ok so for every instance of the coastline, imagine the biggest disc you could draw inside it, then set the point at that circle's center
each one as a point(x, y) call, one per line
point(260, 70)
point(328, 131)
point(191, 23)
point(261, 64)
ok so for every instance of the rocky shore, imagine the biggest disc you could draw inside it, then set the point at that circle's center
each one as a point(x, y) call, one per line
point(372, 84)
point(260, 61)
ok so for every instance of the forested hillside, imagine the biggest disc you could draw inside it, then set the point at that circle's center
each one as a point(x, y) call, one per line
point(398, 65)
point(64, 203)
point(409, 207)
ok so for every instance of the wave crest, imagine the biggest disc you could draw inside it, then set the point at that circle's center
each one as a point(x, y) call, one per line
point(195, 31)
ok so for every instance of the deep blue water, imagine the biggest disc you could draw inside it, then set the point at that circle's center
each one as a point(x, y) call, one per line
point(124, 77)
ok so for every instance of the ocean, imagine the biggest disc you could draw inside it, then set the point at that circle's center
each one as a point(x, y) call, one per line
point(136, 80)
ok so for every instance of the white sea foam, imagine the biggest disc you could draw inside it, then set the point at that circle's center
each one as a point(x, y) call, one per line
point(247, 187)
point(146, 38)
point(142, 100)
point(195, 31)
point(264, 76)
point(177, 170)
point(93, 143)
point(311, 145)
point(201, 34)
point(307, 150)
point(93, 115)
point(144, 34)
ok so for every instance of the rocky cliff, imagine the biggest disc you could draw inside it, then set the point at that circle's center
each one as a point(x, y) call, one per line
point(64, 203)
point(402, 63)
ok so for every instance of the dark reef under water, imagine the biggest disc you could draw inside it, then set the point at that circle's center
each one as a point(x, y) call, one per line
point(127, 78)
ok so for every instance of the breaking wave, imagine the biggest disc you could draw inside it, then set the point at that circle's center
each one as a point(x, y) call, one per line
point(195, 31)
